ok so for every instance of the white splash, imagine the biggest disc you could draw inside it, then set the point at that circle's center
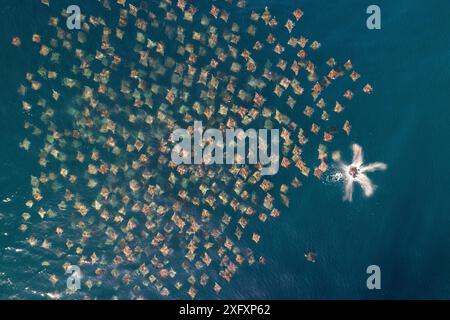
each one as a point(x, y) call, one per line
point(356, 172)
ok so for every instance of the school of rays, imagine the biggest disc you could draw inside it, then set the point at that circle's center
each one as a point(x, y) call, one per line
point(108, 197)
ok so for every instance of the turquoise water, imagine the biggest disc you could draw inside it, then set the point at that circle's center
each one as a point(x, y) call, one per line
point(403, 228)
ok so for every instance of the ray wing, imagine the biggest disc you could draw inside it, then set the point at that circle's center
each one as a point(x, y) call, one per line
point(357, 155)
point(366, 184)
point(348, 195)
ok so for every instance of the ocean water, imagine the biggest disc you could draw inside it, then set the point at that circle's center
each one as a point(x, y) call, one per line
point(405, 123)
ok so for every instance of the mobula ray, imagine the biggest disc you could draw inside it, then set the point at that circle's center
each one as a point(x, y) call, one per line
point(356, 173)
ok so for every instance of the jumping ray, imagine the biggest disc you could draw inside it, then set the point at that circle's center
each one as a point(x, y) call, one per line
point(355, 172)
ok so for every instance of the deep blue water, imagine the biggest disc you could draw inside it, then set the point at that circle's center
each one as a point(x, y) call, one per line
point(403, 228)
